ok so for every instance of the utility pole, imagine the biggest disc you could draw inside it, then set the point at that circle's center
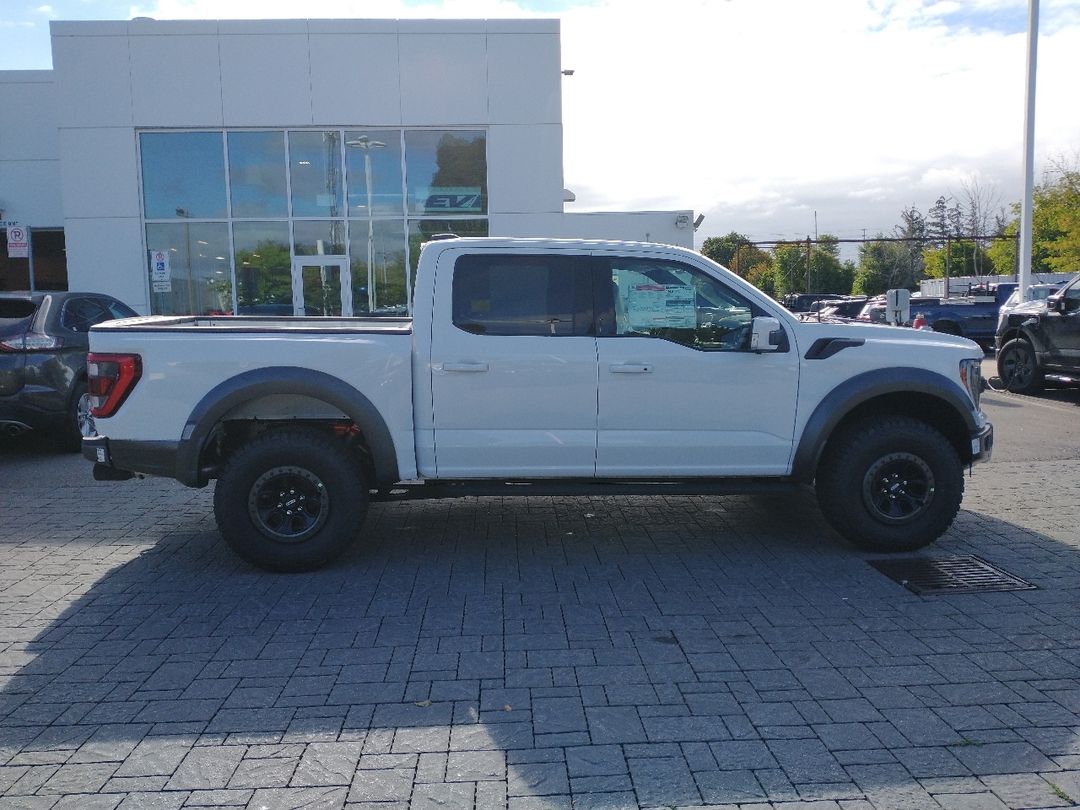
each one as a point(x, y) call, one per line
point(1024, 270)
point(948, 256)
point(809, 248)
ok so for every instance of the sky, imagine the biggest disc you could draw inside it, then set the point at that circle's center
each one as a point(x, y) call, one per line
point(773, 118)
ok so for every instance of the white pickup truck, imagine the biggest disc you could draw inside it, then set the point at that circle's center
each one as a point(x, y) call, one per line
point(539, 367)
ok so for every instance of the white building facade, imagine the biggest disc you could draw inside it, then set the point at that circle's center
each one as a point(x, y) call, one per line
point(292, 166)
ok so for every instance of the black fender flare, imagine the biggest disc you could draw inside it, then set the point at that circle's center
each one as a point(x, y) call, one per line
point(284, 380)
point(864, 387)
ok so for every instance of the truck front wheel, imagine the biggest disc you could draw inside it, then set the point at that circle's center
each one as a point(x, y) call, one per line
point(890, 484)
point(1018, 367)
point(291, 500)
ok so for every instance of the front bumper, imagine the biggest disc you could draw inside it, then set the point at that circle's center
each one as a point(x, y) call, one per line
point(982, 443)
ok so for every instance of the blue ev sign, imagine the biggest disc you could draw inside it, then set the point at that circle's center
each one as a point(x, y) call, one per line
point(446, 200)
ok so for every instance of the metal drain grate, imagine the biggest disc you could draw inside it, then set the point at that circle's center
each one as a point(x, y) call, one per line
point(963, 574)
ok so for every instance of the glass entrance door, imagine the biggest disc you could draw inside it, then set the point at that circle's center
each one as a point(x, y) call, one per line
point(321, 286)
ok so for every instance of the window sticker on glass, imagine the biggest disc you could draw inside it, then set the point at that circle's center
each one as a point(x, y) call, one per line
point(652, 305)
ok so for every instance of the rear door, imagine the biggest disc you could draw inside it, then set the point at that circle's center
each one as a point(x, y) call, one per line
point(680, 393)
point(513, 366)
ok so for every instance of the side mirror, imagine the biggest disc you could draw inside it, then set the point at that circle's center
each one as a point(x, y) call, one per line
point(765, 335)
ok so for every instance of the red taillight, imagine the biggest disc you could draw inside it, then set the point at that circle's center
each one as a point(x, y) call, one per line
point(109, 380)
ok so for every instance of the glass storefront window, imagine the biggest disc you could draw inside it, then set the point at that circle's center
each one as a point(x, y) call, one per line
point(257, 174)
point(183, 175)
point(319, 237)
point(380, 245)
point(370, 196)
point(199, 280)
point(263, 268)
point(315, 172)
point(447, 171)
point(421, 230)
point(373, 161)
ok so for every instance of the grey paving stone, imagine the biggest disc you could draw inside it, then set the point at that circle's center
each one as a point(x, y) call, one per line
point(264, 772)
point(1025, 790)
point(557, 715)
point(475, 766)
point(87, 778)
point(730, 787)
point(595, 760)
point(381, 785)
point(1002, 758)
point(206, 768)
point(806, 761)
point(315, 798)
point(437, 797)
point(537, 779)
point(153, 801)
point(615, 724)
point(665, 781)
point(327, 764)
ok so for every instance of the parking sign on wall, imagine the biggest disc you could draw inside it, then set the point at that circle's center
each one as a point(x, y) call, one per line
point(18, 242)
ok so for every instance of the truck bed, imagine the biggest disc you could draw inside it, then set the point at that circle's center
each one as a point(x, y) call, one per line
point(249, 323)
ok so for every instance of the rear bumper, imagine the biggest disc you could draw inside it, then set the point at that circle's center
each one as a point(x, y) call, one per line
point(16, 410)
point(150, 458)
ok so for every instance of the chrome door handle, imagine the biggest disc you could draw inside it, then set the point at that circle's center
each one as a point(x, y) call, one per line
point(464, 366)
point(629, 368)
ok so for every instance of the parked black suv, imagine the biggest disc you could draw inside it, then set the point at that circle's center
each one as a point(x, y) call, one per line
point(43, 345)
point(1040, 338)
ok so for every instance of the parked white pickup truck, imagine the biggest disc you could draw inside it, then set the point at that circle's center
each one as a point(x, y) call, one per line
point(539, 367)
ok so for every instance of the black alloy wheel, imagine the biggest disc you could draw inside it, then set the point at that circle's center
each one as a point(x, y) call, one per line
point(288, 504)
point(898, 487)
point(1018, 367)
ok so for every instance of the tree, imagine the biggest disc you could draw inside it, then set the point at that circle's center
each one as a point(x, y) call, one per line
point(827, 272)
point(963, 256)
point(1055, 234)
point(761, 276)
point(734, 251)
point(885, 266)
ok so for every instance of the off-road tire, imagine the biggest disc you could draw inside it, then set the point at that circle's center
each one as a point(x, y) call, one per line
point(1018, 367)
point(890, 484)
point(291, 499)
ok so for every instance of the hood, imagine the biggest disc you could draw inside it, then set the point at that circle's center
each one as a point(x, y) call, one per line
point(1029, 308)
point(812, 330)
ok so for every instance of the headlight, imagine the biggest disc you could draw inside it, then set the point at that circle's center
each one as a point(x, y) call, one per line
point(971, 378)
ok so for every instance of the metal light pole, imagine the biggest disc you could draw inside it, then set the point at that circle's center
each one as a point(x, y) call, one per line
point(365, 143)
point(1024, 269)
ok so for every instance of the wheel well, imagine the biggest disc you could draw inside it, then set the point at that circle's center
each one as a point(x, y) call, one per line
point(230, 434)
point(927, 408)
point(1014, 334)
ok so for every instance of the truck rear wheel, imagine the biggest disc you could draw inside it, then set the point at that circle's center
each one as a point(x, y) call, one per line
point(291, 500)
point(890, 484)
point(1018, 367)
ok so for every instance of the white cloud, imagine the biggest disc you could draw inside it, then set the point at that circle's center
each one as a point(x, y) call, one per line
point(759, 112)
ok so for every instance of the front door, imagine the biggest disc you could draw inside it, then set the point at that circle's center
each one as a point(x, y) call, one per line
point(680, 393)
point(321, 286)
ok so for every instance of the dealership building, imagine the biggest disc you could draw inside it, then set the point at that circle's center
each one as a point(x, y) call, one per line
point(284, 166)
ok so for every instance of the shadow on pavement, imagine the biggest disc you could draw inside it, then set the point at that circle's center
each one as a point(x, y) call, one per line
point(603, 653)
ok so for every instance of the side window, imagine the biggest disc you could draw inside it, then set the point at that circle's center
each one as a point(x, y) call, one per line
point(679, 303)
point(81, 313)
point(118, 310)
point(518, 295)
point(1072, 297)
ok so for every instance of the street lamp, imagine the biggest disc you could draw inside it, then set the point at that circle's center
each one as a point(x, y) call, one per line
point(367, 144)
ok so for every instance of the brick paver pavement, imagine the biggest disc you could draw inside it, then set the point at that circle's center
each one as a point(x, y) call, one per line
point(534, 653)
